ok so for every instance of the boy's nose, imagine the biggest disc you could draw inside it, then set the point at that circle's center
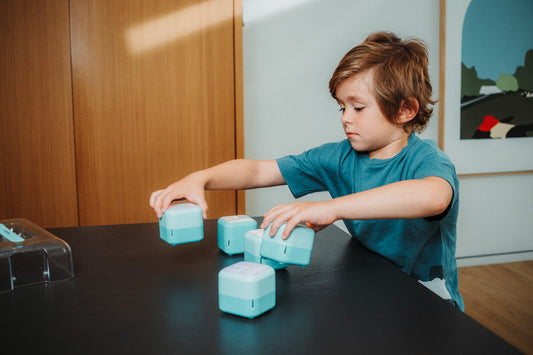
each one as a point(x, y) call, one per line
point(345, 118)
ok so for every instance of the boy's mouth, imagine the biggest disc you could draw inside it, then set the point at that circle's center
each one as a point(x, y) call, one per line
point(350, 134)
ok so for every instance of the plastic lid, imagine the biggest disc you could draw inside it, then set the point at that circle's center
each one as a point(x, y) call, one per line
point(31, 255)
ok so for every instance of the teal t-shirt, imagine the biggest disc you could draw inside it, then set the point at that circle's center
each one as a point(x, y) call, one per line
point(424, 248)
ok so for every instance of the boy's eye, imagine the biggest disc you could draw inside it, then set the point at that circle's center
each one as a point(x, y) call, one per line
point(358, 109)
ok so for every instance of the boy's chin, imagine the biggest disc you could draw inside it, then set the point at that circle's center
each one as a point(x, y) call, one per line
point(358, 147)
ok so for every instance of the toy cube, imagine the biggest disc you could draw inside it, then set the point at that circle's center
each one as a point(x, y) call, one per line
point(252, 245)
point(246, 289)
point(296, 249)
point(182, 223)
point(231, 230)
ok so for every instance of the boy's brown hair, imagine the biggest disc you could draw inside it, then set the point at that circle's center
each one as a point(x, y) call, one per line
point(401, 73)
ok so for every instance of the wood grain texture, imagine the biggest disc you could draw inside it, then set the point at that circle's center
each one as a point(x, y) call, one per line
point(500, 297)
point(153, 85)
point(37, 178)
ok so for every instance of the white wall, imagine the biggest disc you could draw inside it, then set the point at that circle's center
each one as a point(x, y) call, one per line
point(291, 48)
point(495, 219)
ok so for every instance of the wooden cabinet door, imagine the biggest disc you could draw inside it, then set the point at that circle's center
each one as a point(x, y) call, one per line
point(37, 162)
point(154, 99)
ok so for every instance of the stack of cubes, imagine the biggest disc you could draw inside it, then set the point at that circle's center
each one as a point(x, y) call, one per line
point(252, 250)
point(246, 288)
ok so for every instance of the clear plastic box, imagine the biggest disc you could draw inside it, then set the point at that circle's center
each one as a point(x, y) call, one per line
point(31, 255)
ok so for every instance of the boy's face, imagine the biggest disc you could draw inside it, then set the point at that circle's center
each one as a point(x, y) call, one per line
point(365, 125)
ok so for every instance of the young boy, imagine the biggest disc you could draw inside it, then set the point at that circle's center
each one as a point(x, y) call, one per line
point(397, 194)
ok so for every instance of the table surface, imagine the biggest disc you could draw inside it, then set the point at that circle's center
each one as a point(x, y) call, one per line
point(133, 293)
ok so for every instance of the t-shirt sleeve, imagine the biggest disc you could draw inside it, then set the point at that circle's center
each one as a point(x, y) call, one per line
point(303, 173)
point(438, 164)
point(317, 169)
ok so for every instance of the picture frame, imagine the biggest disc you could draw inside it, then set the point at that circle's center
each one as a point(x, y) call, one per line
point(470, 156)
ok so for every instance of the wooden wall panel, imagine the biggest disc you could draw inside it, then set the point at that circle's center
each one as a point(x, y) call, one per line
point(153, 88)
point(37, 174)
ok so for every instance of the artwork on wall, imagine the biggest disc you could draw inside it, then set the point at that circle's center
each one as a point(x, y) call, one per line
point(488, 101)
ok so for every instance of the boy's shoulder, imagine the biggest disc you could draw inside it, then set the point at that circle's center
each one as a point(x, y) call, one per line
point(425, 148)
point(416, 141)
point(427, 159)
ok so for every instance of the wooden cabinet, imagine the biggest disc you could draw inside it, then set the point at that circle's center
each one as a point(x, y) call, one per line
point(150, 95)
point(37, 160)
point(153, 100)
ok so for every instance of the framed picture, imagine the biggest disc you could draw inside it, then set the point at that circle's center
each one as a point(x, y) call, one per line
point(486, 118)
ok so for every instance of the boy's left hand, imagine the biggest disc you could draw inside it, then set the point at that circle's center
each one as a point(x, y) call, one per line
point(317, 215)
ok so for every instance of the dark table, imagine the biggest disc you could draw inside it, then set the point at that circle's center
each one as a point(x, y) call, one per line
point(135, 294)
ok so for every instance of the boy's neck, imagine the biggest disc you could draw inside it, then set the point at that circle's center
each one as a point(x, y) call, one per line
point(391, 149)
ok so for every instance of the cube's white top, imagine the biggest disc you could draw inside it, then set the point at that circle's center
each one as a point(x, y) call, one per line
point(246, 271)
point(236, 219)
point(182, 215)
point(256, 232)
point(246, 280)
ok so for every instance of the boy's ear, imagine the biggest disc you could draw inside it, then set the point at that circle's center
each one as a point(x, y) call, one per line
point(408, 110)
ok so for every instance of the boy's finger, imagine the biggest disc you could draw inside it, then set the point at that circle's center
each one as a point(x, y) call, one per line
point(287, 231)
point(277, 222)
point(269, 216)
point(203, 206)
point(266, 222)
point(165, 203)
point(291, 224)
point(152, 199)
point(154, 196)
point(273, 229)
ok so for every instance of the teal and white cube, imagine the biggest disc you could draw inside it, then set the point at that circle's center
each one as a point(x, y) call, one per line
point(182, 223)
point(296, 249)
point(231, 231)
point(246, 289)
point(252, 247)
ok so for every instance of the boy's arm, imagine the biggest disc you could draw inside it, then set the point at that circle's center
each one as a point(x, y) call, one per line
point(400, 200)
point(231, 175)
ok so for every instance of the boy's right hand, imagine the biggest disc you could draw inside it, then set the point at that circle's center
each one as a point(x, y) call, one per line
point(187, 188)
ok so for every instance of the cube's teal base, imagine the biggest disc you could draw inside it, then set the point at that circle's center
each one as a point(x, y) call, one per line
point(276, 265)
point(249, 308)
point(180, 236)
point(285, 254)
point(258, 259)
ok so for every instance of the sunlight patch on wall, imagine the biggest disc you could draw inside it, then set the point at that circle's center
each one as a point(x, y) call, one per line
point(175, 26)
